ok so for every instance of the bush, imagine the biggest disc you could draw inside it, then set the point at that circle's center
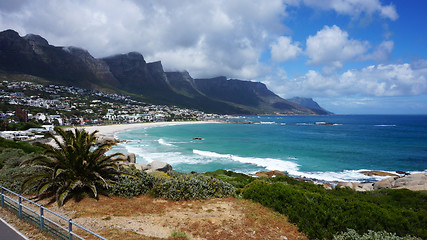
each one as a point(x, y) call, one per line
point(189, 187)
point(320, 213)
point(172, 186)
point(351, 234)
point(128, 186)
point(238, 180)
point(11, 174)
point(25, 146)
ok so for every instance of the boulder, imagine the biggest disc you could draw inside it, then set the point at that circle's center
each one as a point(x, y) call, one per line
point(278, 173)
point(142, 167)
point(415, 182)
point(385, 183)
point(159, 166)
point(409, 181)
point(363, 187)
point(101, 139)
point(357, 186)
point(378, 173)
point(345, 184)
point(263, 174)
point(129, 158)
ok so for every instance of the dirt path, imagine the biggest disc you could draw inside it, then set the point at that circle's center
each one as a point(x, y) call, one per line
point(148, 218)
point(144, 217)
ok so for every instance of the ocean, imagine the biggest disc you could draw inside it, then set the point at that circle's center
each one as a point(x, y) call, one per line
point(337, 152)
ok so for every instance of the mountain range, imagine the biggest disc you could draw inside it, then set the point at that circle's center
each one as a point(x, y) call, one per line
point(131, 74)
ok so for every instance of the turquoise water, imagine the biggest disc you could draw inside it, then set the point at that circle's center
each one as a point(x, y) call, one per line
point(327, 152)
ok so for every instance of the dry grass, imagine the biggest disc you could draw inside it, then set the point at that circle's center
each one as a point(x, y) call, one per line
point(144, 217)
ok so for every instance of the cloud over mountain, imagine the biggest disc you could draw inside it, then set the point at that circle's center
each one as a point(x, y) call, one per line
point(376, 81)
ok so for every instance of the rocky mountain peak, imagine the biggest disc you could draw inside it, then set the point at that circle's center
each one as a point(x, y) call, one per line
point(34, 39)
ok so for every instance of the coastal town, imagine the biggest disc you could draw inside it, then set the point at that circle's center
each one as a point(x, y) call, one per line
point(51, 105)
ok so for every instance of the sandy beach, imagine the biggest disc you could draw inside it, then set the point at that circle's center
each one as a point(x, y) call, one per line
point(111, 130)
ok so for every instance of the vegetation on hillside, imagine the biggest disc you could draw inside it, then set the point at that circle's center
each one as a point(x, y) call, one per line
point(172, 185)
point(321, 213)
point(11, 174)
point(24, 146)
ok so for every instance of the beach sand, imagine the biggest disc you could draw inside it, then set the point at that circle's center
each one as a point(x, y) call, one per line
point(110, 131)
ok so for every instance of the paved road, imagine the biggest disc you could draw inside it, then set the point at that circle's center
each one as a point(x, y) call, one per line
point(7, 233)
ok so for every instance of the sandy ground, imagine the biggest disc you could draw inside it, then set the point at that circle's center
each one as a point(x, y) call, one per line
point(144, 217)
point(111, 130)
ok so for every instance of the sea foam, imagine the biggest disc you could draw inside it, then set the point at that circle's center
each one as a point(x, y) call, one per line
point(163, 142)
point(268, 163)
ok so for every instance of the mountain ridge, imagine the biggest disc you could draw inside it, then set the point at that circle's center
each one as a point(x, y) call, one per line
point(130, 73)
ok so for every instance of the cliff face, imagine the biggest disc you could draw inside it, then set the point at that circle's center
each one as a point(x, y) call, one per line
point(130, 73)
point(311, 104)
point(253, 95)
point(33, 55)
point(183, 83)
point(98, 67)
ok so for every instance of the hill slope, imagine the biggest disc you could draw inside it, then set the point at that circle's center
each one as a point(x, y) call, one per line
point(130, 73)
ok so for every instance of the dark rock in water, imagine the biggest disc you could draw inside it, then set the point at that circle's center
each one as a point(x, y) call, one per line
point(403, 173)
point(317, 123)
point(378, 173)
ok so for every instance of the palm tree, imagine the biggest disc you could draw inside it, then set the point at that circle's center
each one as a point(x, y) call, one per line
point(76, 165)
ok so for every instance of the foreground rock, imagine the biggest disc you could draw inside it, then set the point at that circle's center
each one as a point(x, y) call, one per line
point(130, 160)
point(414, 182)
point(159, 166)
point(360, 187)
point(102, 139)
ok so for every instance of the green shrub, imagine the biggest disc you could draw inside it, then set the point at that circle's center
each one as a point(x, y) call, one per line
point(128, 186)
point(238, 180)
point(351, 234)
point(11, 174)
point(320, 213)
point(173, 186)
point(188, 187)
point(25, 146)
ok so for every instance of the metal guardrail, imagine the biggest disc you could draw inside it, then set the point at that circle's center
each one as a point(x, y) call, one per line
point(39, 218)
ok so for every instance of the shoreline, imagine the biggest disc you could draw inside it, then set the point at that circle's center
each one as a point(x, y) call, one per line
point(110, 131)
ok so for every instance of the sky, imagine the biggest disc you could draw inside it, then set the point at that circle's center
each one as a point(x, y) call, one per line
point(351, 56)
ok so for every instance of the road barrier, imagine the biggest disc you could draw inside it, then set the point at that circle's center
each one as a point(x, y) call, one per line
point(46, 219)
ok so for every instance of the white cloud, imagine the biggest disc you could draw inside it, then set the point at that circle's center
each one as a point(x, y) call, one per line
point(283, 49)
point(355, 8)
point(382, 52)
point(376, 80)
point(207, 38)
point(332, 46)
